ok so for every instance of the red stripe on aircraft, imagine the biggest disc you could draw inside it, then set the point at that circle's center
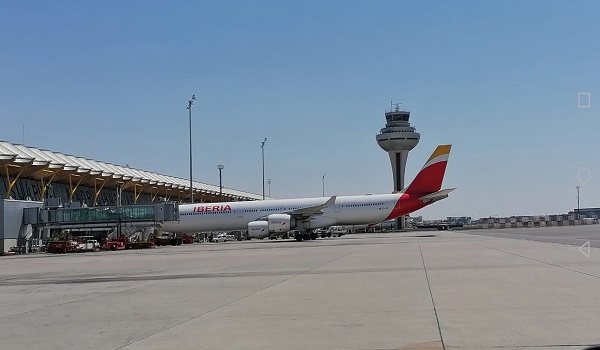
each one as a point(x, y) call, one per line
point(406, 204)
point(428, 180)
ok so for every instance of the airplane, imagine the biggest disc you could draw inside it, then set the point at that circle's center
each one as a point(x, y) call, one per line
point(304, 215)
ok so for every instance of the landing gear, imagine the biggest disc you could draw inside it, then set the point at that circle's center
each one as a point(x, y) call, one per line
point(305, 235)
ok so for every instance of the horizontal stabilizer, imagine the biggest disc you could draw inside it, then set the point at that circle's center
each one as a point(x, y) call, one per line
point(436, 196)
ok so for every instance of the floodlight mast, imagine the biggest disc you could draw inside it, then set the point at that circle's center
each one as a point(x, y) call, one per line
point(220, 167)
point(189, 107)
point(262, 147)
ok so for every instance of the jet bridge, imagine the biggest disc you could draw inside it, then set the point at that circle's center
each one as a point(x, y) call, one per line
point(48, 217)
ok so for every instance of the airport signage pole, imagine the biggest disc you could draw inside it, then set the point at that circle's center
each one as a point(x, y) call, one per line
point(262, 147)
point(220, 167)
point(323, 185)
point(189, 107)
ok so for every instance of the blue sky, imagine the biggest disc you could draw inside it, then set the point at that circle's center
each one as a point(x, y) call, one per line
point(499, 80)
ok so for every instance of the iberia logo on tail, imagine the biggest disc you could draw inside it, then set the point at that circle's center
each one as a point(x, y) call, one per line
point(430, 178)
point(425, 188)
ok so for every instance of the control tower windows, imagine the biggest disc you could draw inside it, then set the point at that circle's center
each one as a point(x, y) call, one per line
point(400, 117)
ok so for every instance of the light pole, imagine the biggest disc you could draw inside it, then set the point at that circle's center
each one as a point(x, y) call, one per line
point(577, 202)
point(323, 185)
point(269, 183)
point(262, 147)
point(220, 167)
point(189, 107)
point(119, 196)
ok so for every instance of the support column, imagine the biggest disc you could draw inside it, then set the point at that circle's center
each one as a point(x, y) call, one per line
point(398, 160)
point(136, 194)
point(97, 191)
point(71, 188)
point(12, 182)
point(154, 194)
point(45, 186)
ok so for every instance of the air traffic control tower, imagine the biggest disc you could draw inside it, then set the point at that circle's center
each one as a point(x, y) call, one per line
point(397, 138)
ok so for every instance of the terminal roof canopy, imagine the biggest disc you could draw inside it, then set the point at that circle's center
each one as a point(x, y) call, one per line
point(20, 161)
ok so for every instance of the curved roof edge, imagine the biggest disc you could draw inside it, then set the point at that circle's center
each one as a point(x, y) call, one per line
point(21, 155)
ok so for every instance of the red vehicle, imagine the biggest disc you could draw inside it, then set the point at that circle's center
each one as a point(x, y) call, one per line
point(139, 245)
point(61, 247)
point(114, 245)
point(186, 239)
point(125, 243)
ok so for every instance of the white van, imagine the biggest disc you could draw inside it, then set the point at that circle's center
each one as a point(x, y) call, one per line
point(224, 237)
point(88, 245)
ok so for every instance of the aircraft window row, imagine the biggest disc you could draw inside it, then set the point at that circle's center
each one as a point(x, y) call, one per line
point(263, 210)
point(362, 205)
point(207, 212)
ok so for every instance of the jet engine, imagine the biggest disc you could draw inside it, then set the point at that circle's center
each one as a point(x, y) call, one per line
point(279, 223)
point(276, 224)
point(258, 229)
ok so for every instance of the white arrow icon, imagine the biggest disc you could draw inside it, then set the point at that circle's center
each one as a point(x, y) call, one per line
point(585, 249)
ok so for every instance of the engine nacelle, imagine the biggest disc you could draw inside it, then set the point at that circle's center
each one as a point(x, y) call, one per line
point(276, 224)
point(279, 223)
point(258, 229)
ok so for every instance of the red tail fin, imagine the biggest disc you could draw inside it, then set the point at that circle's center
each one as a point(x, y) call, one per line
point(429, 179)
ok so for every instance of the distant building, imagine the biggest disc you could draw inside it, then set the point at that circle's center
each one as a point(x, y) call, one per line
point(417, 218)
point(592, 213)
point(459, 220)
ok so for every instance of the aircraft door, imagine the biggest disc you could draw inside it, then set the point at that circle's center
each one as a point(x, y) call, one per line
point(239, 213)
point(337, 207)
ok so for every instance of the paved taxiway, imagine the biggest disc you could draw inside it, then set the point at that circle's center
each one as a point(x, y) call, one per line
point(570, 235)
point(377, 291)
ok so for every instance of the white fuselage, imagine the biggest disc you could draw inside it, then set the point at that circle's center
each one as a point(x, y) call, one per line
point(226, 216)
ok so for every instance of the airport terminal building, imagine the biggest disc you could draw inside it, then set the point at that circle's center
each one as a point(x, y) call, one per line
point(30, 175)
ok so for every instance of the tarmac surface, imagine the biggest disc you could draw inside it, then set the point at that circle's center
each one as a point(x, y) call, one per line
point(419, 290)
point(555, 234)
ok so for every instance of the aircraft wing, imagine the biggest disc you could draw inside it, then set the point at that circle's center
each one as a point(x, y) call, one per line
point(307, 212)
point(436, 196)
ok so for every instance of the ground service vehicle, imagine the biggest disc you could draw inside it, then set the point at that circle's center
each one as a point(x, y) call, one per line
point(86, 244)
point(61, 247)
point(113, 245)
point(168, 239)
